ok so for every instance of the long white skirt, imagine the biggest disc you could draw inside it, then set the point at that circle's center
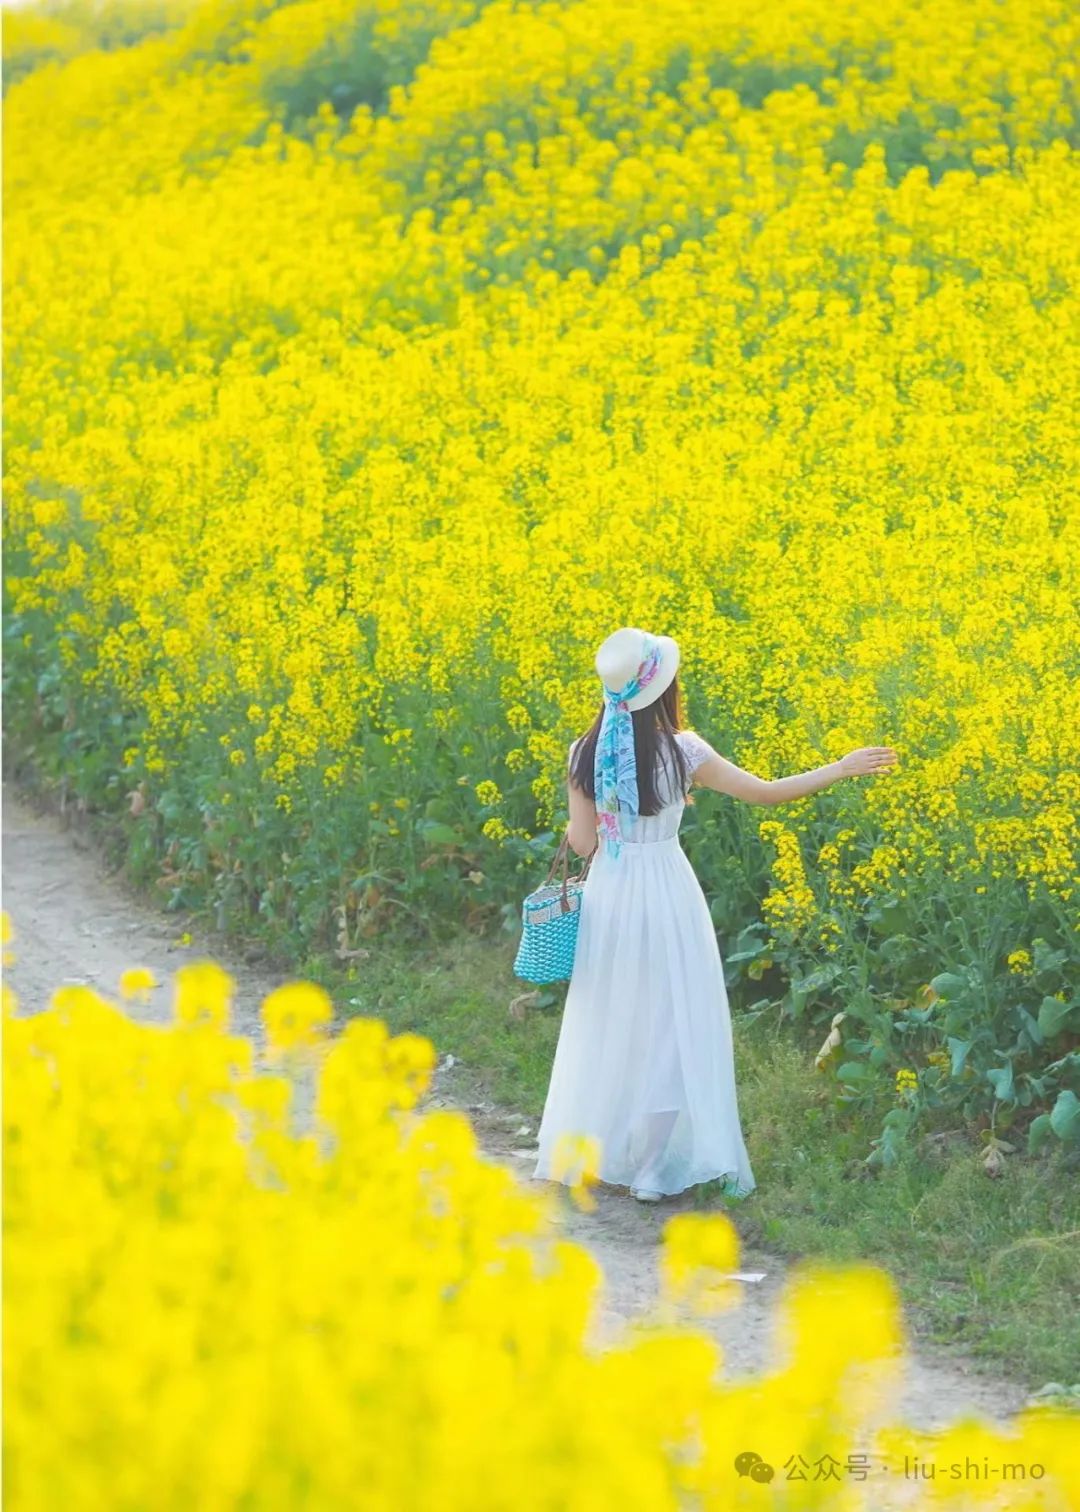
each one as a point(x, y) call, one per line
point(644, 1061)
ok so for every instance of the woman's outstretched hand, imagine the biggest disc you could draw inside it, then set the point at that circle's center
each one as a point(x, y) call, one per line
point(867, 759)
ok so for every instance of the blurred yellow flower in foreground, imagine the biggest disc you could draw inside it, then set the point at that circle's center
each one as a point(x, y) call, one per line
point(295, 1015)
point(576, 1162)
point(699, 1249)
point(137, 982)
point(218, 1293)
point(202, 994)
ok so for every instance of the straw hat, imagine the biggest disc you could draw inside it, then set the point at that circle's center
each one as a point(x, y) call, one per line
point(620, 657)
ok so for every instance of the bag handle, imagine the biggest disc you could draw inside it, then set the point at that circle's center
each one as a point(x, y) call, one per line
point(563, 854)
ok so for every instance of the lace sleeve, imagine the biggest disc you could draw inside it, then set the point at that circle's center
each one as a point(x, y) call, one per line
point(695, 749)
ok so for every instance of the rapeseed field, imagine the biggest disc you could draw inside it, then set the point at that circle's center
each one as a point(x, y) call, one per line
point(367, 364)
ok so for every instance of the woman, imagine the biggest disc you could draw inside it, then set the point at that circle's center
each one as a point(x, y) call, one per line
point(644, 1062)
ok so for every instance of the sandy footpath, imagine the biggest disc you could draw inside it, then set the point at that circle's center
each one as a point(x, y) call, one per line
point(73, 922)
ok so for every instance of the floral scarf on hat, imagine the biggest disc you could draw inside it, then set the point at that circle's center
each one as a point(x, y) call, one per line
point(615, 762)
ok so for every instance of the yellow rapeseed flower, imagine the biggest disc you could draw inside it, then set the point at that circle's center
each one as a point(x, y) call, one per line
point(137, 982)
point(296, 1014)
point(202, 994)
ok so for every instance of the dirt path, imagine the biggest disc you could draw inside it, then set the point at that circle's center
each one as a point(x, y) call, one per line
point(73, 922)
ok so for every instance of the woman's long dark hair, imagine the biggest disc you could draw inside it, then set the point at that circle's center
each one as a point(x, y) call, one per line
point(655, 727)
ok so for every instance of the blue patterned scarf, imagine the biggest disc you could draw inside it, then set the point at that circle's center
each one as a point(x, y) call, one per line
point(615, 762)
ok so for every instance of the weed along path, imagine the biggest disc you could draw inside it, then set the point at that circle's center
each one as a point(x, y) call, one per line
point(73, 922)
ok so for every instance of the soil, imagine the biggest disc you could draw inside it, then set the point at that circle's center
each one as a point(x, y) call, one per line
point(75, 922)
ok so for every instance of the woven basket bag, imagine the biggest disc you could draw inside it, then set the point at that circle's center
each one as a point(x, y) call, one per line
point(550, 918)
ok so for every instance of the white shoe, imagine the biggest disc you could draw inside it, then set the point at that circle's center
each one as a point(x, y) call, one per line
point(643, 1194)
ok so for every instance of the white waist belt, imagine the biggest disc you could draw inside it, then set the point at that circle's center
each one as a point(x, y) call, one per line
point(668, 841)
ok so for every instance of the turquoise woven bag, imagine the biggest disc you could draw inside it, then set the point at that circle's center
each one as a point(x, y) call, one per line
point(550, 918)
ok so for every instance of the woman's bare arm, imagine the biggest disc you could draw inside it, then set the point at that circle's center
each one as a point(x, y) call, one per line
point(725, 777)
point(582, 827)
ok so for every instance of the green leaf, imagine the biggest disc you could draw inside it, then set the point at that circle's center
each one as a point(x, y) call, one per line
point(1032, 1026)
point(1053, 1016)
point(1064, 1067)
point(170, 805)
point(821, 977)
point(795, 1001)
point(948, 985)
point(1047, 959)
point(894, 1131)
point(893, 920)
point(434, 833)
point(956, 1019)
point(861, 1005)
point(900, 1119)
point(1065, 1117)
point(854, 1073)
point(896, 948)
point(748, 946)
point(960, 1050)
point(1001, 1079)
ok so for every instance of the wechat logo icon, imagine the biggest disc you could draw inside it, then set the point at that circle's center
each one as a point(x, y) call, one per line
point(751, 1464)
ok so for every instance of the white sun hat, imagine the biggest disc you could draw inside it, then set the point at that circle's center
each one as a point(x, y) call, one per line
point(622, 655)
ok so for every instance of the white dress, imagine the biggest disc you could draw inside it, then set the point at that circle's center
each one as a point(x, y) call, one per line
point(644, 1061)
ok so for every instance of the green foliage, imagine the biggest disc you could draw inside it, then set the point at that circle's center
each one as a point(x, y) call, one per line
point(976, 1042)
